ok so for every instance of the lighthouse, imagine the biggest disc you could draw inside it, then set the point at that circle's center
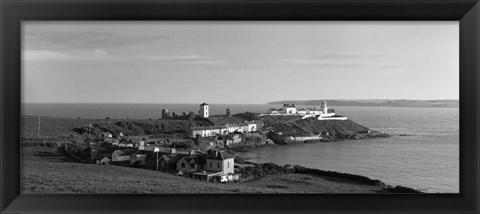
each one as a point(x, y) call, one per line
point(324, 108)
point(204, 110)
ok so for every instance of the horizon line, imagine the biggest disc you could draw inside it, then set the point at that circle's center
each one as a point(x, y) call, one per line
point(228, 103)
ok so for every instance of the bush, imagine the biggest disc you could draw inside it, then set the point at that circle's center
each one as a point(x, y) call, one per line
point(138, 131)
point(139, 164)
point(52, 145)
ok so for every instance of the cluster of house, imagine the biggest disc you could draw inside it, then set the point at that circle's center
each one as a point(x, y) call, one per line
point(324, 113)
point(211, 166)
point(224, 129)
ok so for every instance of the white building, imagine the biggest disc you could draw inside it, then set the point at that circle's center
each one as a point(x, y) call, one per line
point(209, 131)
point(203, 110)
point(141, 144)
point(323, 114)
point(289, 109)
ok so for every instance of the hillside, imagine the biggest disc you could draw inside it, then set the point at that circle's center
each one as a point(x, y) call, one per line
point(379, 102)
point(45, 170)
point(51, 127)
point(295, 126)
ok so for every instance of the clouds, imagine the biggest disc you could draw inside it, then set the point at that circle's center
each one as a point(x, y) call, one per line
point(261, 60)
point(57, 40)
point(82, 55)
point(351, 60)
point(183, 59)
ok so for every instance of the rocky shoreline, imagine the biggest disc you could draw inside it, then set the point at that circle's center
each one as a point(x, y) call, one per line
point(260, 170)
point(325, 139)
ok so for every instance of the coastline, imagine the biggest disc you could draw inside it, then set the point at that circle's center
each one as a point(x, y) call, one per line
point(45, 170)
point(343, 177)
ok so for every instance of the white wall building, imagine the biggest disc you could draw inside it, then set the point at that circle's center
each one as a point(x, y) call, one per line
point(323, 114)
point(289, 109)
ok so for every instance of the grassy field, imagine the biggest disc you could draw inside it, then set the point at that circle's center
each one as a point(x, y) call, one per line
point(45, 170)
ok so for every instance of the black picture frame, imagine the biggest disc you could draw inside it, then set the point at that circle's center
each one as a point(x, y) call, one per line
point(13, 12)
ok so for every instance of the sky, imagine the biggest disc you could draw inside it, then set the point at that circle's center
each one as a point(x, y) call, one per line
point(237, 62)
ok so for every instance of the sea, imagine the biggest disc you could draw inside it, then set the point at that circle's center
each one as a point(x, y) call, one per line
point(423, 152)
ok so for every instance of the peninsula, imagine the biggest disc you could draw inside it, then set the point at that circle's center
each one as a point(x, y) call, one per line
point(199, 147)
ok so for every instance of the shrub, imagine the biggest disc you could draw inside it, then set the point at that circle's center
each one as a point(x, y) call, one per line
point(139, 164)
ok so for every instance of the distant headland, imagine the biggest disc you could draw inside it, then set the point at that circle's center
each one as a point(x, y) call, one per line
point(376, 102)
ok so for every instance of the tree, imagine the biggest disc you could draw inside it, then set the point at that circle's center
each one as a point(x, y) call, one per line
point(138, 131)
point(191, 116)
point(124, 125)
point(139, 164)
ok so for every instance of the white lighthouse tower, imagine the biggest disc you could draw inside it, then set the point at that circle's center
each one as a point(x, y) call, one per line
point(324, 108)
point(204, 110)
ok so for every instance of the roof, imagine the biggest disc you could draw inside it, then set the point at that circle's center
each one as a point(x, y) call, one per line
point(289, 105)
point(236, 125)
point(103, 157)
point(124, 152)
point(203, 104)
point(192, 159)
point(222, 155)
point(207, 127)
point(171, 158)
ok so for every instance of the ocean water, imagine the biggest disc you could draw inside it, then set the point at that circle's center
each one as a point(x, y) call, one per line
point(427, 159)
point(133, 111)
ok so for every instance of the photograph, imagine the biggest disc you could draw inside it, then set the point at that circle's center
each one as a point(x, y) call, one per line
point(240, 107)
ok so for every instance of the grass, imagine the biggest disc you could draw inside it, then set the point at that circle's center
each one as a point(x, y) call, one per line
point(45, 170)
point(51, 127)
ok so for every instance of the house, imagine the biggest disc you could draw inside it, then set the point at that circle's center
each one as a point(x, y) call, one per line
point(208, 131)
point(236, 138)
point(103, 161)
point(274, 111)
point(234, 128)
point(141, 144)
point(119, 155)
point(123, 142)
point(323, 114)
point(105, 135)
point(289, 109)
point(219, 161)
point(251, 127)
point(232, 140)
point(205, 176)
point(189, 164)
point(223, 178)
point(137, 157)
point(130, 145)
point(302, 112)
point(213, 166)
point(169, 162)
point(169, 150)
point(118, 135)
